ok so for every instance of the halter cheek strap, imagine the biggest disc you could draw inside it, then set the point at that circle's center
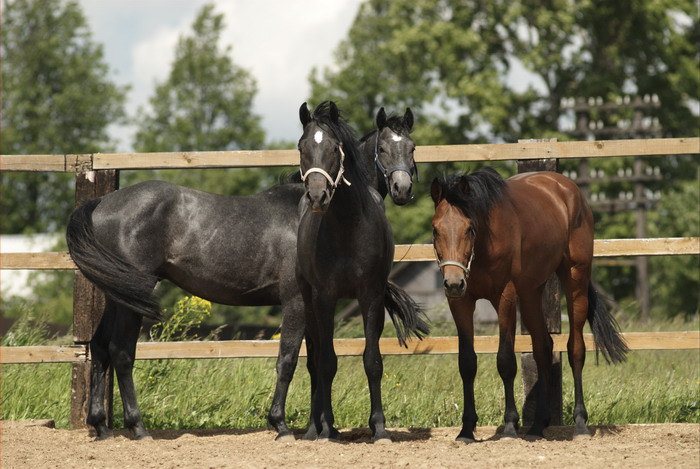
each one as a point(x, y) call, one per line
point(333, 183)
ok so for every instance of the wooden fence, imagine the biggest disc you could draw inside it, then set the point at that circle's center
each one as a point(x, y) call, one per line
point(97, 174)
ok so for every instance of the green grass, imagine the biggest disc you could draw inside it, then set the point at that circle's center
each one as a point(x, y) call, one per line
point(418, 391)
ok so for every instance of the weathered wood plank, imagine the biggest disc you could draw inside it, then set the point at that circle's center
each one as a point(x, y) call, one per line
point(36, 261)
point(536, 150)
point(197, 159)
point(403, 252)
point(43, 354)
point(344, 347)
point(423, 154)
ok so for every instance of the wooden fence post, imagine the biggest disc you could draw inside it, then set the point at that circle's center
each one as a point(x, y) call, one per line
point(552, 313)
point(88, 304)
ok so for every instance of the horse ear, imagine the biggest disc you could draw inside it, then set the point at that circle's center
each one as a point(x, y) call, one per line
point(408, 119)
point(335, 114)
point(436, 191)
point(304, 114)
point(381, 118)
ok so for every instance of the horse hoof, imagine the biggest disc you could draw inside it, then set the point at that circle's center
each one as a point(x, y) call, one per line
point(144, 438)
point(285, 438)
point(509, 435)
point(582, 434)
point(385, 440)
point(465, 439)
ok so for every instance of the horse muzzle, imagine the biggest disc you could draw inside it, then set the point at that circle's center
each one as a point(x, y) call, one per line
point(400, 187)
point(455, 288)
point(318, 193)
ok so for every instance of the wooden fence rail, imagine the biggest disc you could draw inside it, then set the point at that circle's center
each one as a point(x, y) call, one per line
point(403, 252)
point(343, 347)
point(423, 154)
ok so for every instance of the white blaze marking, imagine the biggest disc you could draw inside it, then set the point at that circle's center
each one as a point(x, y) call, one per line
point(396, 138)
point(318, 136)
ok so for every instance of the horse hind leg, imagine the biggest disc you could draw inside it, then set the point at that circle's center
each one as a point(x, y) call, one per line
point(293, 326)
point(542, 345)
point(373, 318)
point(575, 282)
point(100, 367)
point(122, 352)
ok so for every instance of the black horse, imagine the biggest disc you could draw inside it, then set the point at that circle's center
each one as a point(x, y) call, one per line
point(345, 249)
point(231, 250)
point(386, 147)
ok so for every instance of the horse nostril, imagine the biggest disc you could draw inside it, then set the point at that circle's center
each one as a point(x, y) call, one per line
point(462, 284)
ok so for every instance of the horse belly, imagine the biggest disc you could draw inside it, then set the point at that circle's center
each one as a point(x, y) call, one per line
point(233, 288)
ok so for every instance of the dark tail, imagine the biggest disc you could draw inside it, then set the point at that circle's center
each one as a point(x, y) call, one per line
point(408, 318)
point(606, 331)
point(119, 280)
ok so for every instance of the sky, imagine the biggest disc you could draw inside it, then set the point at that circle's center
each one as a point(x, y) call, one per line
point(278, 42)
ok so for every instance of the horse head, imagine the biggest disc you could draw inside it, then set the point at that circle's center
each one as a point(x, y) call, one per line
point(393, 154)
point(321, 154)
point(454, 239)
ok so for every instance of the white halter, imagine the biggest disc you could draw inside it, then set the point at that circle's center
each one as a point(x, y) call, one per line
point(466, 268)
point(334, 184)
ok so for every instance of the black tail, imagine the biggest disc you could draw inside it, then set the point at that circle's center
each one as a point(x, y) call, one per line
point(119, 280)
point(606, 331)
point(407, 316)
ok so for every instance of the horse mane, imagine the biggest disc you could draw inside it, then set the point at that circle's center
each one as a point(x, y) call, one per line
point(475, 194)
point(346, 134)
point(395, 123)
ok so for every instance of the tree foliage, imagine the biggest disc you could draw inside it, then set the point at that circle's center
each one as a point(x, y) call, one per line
point(205, 104)
point(56, 99)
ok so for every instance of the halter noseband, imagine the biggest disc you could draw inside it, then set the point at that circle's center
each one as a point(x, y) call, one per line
point(333, 183)
point(466, 268)
point(387, 173)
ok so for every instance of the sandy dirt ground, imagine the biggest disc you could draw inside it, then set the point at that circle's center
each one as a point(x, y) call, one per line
point(28, 445)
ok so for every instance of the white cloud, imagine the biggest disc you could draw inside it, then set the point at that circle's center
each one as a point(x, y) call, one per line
point(277, 41)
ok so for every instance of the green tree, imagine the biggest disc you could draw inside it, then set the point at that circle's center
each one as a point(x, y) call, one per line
point(205, 104)
point(56, 99)
point(675, 279)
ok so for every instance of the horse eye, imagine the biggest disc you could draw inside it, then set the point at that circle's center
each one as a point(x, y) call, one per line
point(382, 150)
point(470, 230)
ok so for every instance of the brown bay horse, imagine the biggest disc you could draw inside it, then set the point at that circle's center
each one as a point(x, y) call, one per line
point(497, 239)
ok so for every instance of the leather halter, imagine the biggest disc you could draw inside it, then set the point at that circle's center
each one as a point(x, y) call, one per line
point(388, 172)
point(333, 183)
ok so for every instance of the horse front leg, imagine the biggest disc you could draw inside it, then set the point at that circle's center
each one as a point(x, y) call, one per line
point(462, 310)
point(293, 326)
point(505, 359)
point(372, 307)
point(326, 365)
